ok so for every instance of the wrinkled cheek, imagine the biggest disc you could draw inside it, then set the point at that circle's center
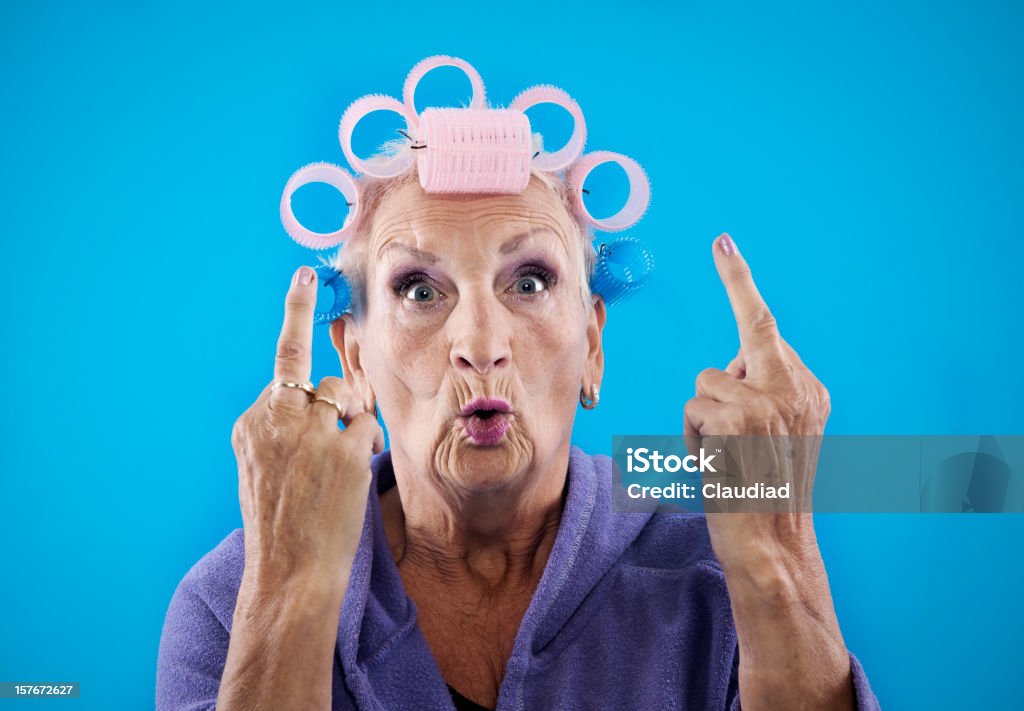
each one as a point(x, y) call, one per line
point(550, 357)
point(410, 367)
point(553, 354)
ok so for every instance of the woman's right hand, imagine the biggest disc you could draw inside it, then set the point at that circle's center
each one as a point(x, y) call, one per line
point(303, 482)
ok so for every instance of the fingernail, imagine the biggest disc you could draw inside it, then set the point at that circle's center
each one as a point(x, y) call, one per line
point(727, 245)
point(304, 276)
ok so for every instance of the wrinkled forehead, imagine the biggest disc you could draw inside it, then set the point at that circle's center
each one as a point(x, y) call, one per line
point(443, 222)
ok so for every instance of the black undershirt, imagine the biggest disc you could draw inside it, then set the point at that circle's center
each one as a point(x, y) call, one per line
point(464, 704)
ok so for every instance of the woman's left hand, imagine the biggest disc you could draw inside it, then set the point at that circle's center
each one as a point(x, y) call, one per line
point(766, 391)
point(791, 650)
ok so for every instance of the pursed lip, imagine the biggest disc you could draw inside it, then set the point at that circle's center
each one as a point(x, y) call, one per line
point(486, 403)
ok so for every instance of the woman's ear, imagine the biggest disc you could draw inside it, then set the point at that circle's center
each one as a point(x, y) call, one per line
point(594, 370)
point(345, 338)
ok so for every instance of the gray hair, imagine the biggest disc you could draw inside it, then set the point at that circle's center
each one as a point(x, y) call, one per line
point(352, 258)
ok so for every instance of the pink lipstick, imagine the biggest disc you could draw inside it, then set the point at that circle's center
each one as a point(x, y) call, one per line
point(486, 420)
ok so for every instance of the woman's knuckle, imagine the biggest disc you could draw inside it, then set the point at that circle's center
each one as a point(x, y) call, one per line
point(291, 351)
point(332, 386)
point(825, 399)
point(704, 379)
point(297, 298)
point(740, 273)
point(240, 430)
point(763, 322)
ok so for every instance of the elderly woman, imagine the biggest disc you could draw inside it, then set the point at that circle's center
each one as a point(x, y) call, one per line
point(478, 563)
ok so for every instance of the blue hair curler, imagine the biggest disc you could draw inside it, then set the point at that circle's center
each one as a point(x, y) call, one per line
point(622, 267)
point(330, 277)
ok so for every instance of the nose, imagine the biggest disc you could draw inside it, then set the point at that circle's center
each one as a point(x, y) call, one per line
point(480, 333)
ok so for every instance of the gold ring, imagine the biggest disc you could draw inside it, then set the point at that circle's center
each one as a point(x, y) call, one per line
point(306, 387)
point(320, 398)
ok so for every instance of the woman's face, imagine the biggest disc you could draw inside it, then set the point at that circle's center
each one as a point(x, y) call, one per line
point(475, 305)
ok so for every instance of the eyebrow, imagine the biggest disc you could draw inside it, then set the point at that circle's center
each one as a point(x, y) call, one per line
point(418, 253)
point(511, 245)
point(507, 247)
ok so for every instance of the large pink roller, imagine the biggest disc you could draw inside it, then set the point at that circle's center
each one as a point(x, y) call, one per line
point(474, 151)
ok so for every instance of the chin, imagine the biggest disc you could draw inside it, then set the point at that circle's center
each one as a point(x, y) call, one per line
point(497, 464)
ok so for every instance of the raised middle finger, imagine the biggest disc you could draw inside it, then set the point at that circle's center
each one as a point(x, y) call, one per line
point(759, 336)
point(293, 360)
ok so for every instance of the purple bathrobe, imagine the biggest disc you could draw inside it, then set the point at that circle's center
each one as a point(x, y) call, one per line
point(632, 612)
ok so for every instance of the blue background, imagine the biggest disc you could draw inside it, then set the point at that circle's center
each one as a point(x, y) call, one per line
point(866, 157)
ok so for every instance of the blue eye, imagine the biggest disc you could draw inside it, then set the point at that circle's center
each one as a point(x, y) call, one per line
point(529, 285)
point(421, 292)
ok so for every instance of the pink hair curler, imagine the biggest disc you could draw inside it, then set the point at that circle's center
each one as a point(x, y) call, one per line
point(319, 173)
point(478, 100)
point(475, 149)
point(553, 95)
point(639, 191)
point(356, 112)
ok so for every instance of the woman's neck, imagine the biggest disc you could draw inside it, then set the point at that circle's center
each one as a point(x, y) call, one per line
point(494, 539)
